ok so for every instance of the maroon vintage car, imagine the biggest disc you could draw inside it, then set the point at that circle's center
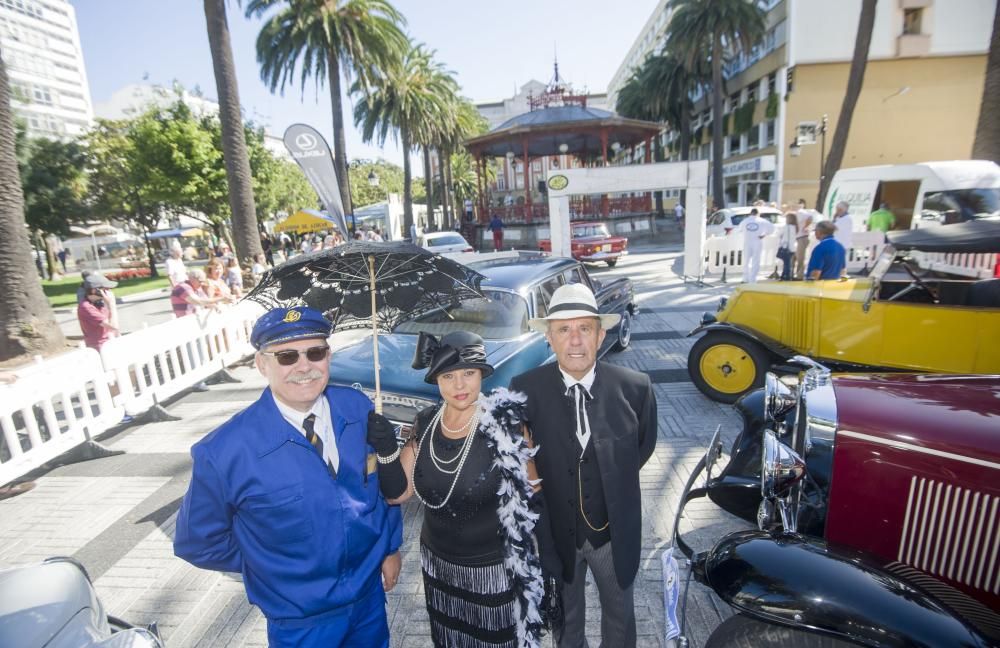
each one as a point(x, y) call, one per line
point(877, 504)
point(592, 243)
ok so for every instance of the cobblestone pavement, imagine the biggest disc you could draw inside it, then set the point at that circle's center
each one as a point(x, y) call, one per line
point(117, 514)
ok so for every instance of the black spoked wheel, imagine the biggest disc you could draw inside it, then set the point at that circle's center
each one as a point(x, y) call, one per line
point(724, 365)
point(740, 631)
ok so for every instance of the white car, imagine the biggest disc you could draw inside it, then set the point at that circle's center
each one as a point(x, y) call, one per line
point(726, 220)
point(444, 242)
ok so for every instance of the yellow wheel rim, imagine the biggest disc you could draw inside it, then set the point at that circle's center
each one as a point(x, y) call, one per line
point(728, 368)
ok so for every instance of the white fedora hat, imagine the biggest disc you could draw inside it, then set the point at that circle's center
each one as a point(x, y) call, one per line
point(572, 301)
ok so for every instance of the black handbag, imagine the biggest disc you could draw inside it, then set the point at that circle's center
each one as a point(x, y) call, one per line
point(552, 606)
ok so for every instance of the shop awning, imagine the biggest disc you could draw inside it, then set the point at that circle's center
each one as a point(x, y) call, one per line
point(306, 221)
point(176, 233)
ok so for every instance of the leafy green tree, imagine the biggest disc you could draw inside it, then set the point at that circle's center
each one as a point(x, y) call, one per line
point(710, 30)
point(234, 146)
point(27, 325)
point(390, 180)
point(325, 39)
point(117, 189)
point(406, 102)
point(54, 182)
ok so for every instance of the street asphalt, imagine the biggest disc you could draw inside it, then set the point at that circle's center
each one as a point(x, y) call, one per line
point(117, 514)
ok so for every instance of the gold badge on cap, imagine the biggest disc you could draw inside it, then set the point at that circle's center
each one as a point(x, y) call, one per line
point(292, 316)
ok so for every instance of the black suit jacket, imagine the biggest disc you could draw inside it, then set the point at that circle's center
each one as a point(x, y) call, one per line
point(622, 417)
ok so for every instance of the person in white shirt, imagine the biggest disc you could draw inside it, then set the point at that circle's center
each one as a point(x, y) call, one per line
point(845, 226)
point(754, 229)
point(679, 213)
point(806, 219)
point(176, 271)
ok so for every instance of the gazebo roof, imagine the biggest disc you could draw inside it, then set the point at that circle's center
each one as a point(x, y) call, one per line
point(578, 127)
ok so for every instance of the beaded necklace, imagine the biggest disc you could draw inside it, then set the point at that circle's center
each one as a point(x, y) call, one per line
point(464, 454)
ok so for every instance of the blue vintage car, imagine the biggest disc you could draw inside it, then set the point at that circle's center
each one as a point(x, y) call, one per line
point(518, 288)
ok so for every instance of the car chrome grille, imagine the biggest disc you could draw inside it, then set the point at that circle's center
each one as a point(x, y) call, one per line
point(799, 325)
point(952, 532)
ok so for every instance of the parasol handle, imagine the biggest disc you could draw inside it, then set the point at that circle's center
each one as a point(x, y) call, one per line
point(378, 385)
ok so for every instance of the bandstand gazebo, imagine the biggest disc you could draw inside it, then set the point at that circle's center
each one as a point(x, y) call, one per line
point(571, 129)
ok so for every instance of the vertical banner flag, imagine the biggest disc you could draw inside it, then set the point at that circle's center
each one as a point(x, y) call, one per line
point(313, 156)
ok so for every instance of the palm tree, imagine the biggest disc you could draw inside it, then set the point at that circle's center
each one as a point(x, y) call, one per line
point(359, 39)
point(466, 122)
point(855, 79)
point(406, 102)
point(234, 146)
point(987, 143)
point(27, 325)
point(709, 30)
point(660, 90)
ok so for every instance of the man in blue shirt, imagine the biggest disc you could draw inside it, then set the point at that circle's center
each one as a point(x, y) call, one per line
point(286, 493)
point(829, 259)
point(496, 226)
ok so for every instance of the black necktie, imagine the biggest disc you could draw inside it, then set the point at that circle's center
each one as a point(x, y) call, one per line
point(309, 425)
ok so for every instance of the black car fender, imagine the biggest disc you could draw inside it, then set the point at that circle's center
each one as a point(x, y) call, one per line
point(800, 582)
point(773, 346)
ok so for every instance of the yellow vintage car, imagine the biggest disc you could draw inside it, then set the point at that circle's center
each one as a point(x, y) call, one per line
point(893, 319)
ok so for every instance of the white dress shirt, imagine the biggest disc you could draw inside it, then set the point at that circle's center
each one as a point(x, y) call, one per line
point(844, 232)
point(582, 422)
point(323, 426)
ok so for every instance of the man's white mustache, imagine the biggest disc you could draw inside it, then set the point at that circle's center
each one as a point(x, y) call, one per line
point(305, 376)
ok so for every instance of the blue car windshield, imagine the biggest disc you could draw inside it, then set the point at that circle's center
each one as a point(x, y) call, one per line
point(502, 317)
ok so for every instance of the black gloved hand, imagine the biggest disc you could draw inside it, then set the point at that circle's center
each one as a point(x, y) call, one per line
point(381, 434)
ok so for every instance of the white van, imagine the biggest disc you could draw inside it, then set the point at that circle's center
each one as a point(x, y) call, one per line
point(919, 195)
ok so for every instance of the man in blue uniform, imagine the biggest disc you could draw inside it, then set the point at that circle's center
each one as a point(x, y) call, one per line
point(286, 493)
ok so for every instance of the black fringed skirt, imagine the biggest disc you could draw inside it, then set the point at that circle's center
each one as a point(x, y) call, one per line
point(470, 606)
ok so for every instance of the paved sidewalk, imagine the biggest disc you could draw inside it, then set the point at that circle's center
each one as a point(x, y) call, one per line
point(117, 514)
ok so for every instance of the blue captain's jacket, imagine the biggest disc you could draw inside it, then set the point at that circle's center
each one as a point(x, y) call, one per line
point(263, 503)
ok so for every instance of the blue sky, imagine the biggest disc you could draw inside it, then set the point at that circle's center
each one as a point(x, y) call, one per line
point(492, 47)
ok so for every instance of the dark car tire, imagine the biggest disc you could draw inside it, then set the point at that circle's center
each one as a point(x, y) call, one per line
point(724, 366)
point(612, 262)
point(624, 332)
point(740, 631)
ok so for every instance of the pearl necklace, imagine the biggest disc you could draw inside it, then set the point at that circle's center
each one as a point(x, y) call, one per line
point(464, 455)
point(467, 428)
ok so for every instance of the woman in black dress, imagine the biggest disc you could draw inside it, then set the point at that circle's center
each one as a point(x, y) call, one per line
point(470, 464)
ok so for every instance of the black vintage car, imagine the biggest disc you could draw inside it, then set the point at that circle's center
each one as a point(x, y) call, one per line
point(875, 499)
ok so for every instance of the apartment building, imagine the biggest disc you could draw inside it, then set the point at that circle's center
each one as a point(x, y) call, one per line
point(40, 45)
point(920, 99)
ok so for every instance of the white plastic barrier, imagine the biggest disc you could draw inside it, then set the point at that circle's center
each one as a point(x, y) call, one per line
point(157, 363)
point(726, 252)
point(54, 405)
point(977, 266)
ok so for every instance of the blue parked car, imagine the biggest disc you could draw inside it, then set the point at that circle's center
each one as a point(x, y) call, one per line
point(518, 288)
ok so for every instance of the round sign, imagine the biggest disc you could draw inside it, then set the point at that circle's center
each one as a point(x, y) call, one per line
point(558, 182)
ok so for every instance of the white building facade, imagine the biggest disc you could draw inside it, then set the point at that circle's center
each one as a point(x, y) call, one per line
point(40, 44)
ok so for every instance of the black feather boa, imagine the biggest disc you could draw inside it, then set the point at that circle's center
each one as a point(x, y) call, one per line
point(502, 423)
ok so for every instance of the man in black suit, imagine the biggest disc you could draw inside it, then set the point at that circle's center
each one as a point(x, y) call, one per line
point(595, 426)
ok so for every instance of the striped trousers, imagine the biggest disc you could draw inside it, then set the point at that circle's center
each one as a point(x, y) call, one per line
point(617, 604)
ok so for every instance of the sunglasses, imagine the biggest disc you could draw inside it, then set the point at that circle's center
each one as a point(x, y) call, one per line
point(289, 357)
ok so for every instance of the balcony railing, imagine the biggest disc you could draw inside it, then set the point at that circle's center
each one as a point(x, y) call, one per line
point(589, 208)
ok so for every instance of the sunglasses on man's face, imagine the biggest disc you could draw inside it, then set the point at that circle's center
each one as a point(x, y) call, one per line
point(289, 357)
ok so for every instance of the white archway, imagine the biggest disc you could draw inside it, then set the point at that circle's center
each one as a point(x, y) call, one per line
point(692, 176)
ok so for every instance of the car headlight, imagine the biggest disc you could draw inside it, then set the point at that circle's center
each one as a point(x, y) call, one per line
point(780, 467)
point(779, 399)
